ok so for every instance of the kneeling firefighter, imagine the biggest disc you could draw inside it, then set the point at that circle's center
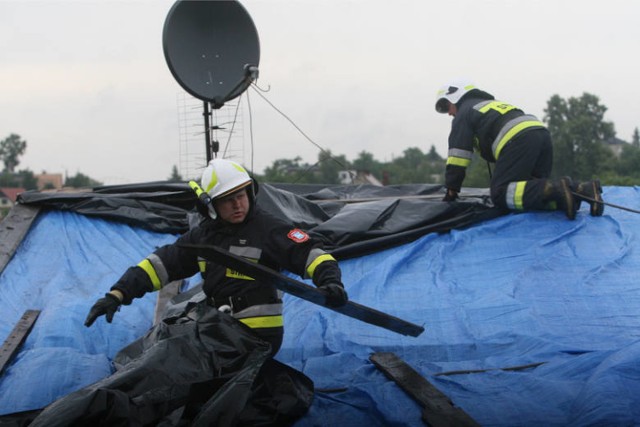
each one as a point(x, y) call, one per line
point(237, 224)
point(519, 145)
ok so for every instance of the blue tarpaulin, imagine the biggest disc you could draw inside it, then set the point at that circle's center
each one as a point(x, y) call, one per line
point(522, 289)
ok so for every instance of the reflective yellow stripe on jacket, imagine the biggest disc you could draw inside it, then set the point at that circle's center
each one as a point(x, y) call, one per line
point(458, 157)
point(263, 322)
point(261, 316)
point(515, 195)
point(315, 258)
point(153, 266)
point(511, 129)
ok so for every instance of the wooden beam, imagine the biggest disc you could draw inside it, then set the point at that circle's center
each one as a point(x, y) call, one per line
point(16, 337)
point(438, 410)
point(13, 229)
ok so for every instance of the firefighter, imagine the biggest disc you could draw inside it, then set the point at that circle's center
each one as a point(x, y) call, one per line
point(519, 145)
point(237, 224)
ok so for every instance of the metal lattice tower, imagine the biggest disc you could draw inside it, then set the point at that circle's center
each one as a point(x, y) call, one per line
point(191, 132)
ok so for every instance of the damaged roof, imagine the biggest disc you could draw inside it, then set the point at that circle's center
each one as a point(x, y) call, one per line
point(529, 318)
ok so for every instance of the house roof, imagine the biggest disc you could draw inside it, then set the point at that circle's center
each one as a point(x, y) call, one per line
point(616, 141)
point(11, 192)
point(529, 318)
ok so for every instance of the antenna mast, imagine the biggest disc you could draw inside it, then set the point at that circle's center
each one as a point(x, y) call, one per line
point(213, 51)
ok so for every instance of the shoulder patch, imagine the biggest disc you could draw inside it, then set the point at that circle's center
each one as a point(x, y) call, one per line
point(298, 235)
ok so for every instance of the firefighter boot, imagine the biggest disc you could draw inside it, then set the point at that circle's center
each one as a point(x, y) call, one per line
point(560, 192)
point(590, 192)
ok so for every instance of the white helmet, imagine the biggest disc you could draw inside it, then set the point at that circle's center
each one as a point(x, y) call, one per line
point(451, 93)
point(222, 177)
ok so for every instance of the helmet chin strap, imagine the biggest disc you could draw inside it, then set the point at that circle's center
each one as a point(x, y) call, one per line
point(212, 211)
point(204, 200)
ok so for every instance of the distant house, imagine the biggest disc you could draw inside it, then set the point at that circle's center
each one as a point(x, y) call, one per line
point(615, 145)
point(49, 181)
point(8, 197)
point(357, 177)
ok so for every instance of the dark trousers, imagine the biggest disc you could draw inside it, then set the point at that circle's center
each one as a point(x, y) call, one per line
point(271, 335)
point(527, 157)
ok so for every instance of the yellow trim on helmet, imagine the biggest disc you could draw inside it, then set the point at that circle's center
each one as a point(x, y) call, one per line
point(238, 167)
point(146, 265)
point(263, 322)
point(213, 181)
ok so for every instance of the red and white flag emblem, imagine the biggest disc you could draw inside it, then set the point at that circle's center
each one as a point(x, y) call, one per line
point(298, 235)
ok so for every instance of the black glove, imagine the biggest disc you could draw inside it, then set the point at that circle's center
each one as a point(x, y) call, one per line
point(107, 306)
point(450, 196)
point(334, 294)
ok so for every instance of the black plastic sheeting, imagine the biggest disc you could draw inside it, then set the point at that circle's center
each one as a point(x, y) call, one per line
point(199, 368)
point(352, 220)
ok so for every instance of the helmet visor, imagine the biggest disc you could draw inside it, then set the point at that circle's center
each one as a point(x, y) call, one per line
point(233, 190)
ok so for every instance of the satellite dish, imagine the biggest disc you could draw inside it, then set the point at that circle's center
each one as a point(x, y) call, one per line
point(212, 48)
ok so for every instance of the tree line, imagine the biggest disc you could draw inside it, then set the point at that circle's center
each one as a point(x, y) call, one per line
point(577, 126)
point(580, 138)
point(13, 147)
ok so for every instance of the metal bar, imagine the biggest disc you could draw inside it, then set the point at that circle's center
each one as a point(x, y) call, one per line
point(589, 199)
point(479, 371)
point(304, 291)
point(207, 132)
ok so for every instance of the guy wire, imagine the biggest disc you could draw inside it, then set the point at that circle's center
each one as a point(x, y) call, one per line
point(298, 129)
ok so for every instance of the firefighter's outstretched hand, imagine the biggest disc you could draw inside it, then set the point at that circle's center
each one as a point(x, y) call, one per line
point(334, 294)
point(105, 306)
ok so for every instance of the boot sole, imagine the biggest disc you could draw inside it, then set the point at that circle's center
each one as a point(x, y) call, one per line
point(569, 200)
point(597, 207)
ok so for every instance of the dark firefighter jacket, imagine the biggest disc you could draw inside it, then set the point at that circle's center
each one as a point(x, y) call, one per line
point(261, 238)
point(485, 125)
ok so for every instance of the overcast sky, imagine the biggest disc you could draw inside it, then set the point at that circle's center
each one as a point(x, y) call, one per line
point(86, 84)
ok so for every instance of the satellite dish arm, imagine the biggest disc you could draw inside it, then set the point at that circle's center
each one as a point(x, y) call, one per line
point(251, 73)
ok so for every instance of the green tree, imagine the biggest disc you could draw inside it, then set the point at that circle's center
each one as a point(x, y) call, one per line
point(284, 170)
point(8, 180)
point(175, 176)
point(27, 179)
point(366, 163)
point(329, 167)
point(478, 173)
point(433, 155)
point(635, 138)
point(578, 131)
point(23, 179)
point(11, 148)
point(627, 165)
point(81, 180)
point(408, 168)
point(415, 167)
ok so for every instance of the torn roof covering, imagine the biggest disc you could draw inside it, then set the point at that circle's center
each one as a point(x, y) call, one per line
point(530, 289)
